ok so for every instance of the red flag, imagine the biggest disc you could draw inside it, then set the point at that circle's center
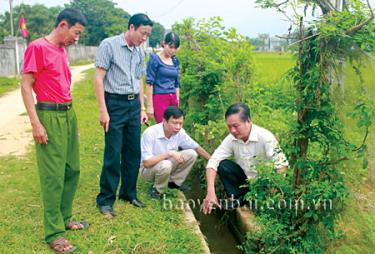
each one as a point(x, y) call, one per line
point(24, 31)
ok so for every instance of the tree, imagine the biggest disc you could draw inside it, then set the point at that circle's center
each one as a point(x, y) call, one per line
point(40, 20)
point(265, 38)
point(3, 30)
point(257, 42)
point(104, 19)
point(157, 34)
point(216, 70)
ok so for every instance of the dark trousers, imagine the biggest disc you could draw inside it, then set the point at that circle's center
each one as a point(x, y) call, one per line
point(122, 152)
point(232, 176)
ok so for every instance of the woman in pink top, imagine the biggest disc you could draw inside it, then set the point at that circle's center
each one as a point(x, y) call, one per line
point(163, 78)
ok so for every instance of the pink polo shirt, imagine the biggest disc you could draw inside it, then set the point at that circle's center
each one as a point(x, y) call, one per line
point(50, 66)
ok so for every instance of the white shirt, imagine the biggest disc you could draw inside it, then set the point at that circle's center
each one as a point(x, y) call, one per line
point(261, 145)
point(154, 142)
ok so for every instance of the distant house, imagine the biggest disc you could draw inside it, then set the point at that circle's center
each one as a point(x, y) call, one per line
point(266, 43)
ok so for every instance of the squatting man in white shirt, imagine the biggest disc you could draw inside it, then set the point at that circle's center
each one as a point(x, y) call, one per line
point(168, 153)
point(248, 144)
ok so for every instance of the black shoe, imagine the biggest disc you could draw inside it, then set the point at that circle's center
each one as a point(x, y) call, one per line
point(107, 211)
point(173, 185)
point(154, 193)
point(137, 203)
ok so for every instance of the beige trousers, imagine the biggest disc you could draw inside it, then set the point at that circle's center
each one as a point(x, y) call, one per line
point(170, 171)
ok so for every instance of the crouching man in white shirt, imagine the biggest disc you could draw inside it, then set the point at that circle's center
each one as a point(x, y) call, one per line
point(168, 153)
point(248, 144)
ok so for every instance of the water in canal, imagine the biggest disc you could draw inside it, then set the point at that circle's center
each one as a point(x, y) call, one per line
point(214, 227)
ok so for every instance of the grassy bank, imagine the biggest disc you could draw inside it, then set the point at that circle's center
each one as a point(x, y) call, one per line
point(8, 84)
point(150, 230)
point(358, 217)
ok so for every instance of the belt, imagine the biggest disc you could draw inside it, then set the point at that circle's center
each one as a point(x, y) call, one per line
point(128, 97)
point(54, 106)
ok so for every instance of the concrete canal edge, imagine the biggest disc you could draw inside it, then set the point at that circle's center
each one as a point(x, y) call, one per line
point(241, 221)
point(192, 222)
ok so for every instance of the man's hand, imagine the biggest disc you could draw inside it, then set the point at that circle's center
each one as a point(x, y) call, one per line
point(144, 118)
point(150, 112)
point(177, 156)
point(104, 120)
point(40, 134)
point(209, 202)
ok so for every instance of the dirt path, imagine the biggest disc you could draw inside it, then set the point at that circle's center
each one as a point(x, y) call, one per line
point(15, 129)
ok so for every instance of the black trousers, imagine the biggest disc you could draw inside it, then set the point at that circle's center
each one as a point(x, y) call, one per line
point(232, 176)
point(122, 152)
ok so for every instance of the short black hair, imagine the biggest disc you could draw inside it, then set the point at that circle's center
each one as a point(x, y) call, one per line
point(140, 19)
point(72, 16)
point(173, 111)
point(172, 39)
point(241, 108)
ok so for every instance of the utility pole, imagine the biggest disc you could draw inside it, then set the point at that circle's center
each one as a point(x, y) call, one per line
point(11, 17)
point(16, 50)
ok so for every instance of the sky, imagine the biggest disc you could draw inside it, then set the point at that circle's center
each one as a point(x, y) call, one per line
point(240, 14)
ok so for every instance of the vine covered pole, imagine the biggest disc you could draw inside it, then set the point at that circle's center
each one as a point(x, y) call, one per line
point(301, 142)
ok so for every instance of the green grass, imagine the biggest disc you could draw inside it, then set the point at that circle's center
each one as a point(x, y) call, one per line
point(149, 230)
point(82, 62)
point(358, 218)
point(271, 66)
point(8, 84)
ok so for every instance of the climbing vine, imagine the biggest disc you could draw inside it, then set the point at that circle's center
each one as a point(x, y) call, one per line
point(297, 214)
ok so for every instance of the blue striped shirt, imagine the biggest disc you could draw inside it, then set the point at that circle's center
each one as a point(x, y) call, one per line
point(125, 65)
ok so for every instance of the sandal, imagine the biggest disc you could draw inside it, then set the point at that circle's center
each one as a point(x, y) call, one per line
point(61, 245)
point(76, 225)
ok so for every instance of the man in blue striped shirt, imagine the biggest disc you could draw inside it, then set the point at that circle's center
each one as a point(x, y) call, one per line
point(120, 66)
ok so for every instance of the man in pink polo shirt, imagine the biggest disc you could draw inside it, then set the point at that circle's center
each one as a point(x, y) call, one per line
point(46, 71)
